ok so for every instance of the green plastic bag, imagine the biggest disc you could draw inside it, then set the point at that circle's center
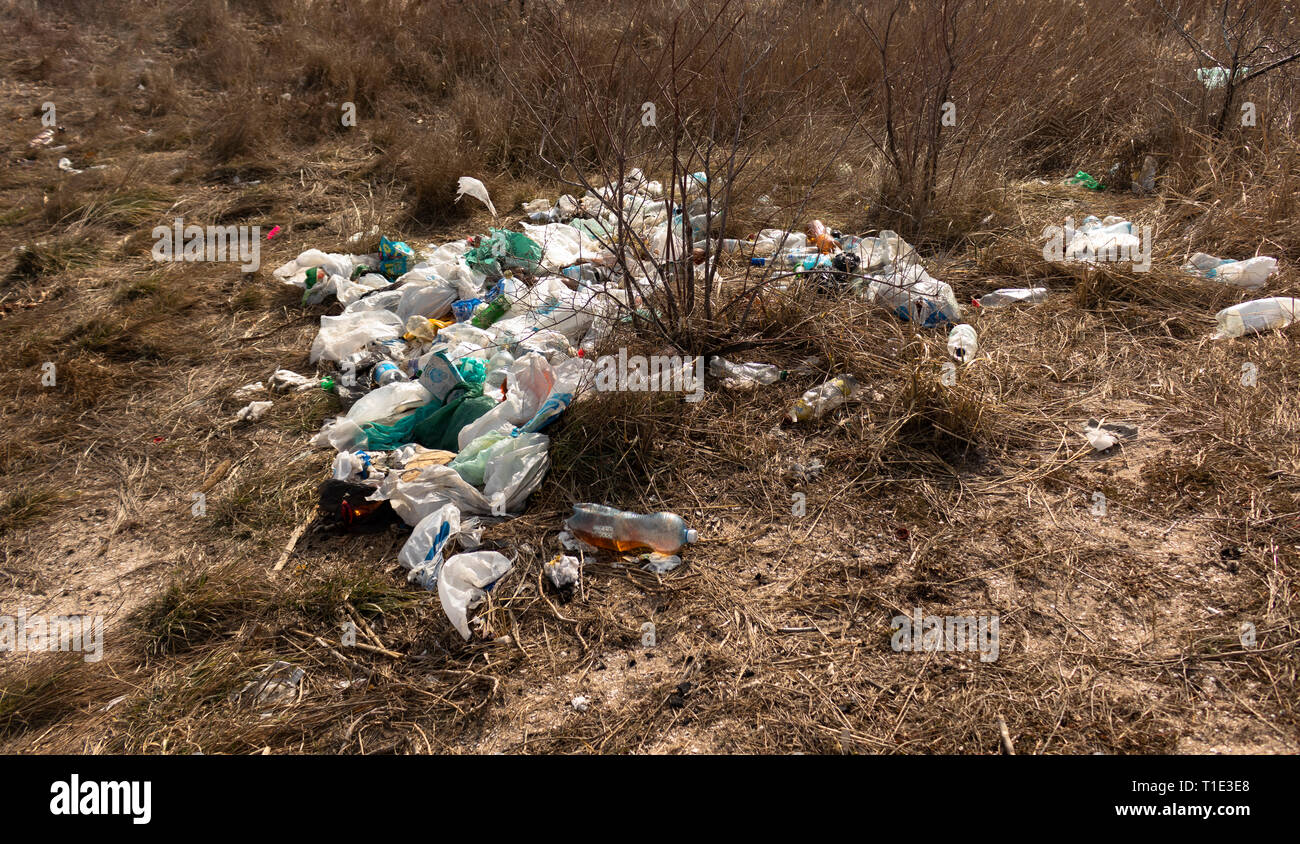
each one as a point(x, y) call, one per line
point(434, 425)
point(505, 250)
point(471, 463)
point(1082, 178)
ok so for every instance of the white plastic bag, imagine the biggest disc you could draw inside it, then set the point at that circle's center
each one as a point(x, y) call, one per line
point(414, 498)
point(462, 582)
point(1251, 273)
point(425, 294)
point(515, 468)
point(423, 552)
point(912, 294)
point(529, 382)
point(1255, 316)
point(344, 433)
point(347, 333)
point(469, 186)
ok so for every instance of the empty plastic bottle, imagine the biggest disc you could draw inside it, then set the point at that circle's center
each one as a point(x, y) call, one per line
point(817, 402)
point(620, 530)
point(1257, 315)
point(1012, 296)
point(798, 259)
point(745, 374)
point(386, 372)
point(962, 344)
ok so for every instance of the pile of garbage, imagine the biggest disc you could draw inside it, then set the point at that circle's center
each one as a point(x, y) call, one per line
point(450, 361)
point(884, 270)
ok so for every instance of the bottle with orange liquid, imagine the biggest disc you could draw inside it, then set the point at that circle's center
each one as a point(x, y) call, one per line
point(820, 237)
point(619, 530)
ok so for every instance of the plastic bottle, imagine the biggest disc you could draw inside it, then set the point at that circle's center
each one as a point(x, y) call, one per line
point(1011, 296)
point(761, 373)
point(493, 312)
point(798, 259)
point(817, 402)
point(820, 237)
point(1256, 315)
point(620, 530)
point(386, 372)
point(962, 344)
point(498, 367)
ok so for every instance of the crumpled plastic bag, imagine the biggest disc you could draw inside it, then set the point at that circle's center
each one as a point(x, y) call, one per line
point(914, 295)
point(336, 264)
point(424, 550)
point(415, 493)
point(463, 581)
point(345, 432)
point(529, 382)
point(563, 244)
point(348, 333)
point(435, 425)
point(504, 250)
point(253, 412)
point(510, 476)
point(1252, 273)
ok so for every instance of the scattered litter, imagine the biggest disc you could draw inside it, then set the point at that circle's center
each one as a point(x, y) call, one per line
point(580, 704)
point(962, 343)
point(273, 232)
point(253, 412)
point(817, 402)
point(468, 186)
point(1102, 436)
point(620, 530)
point(659, 563)
point(281, 682)
point(1011, 296)
point(1251, 273)
point(1082, 178)
point(463, 582)
point(1217, 76)
point(65, 164)
point(284, 380)
point(43, 139)
point(563, 571)
point(744, 376)
point(809, 471)
point(1256, 316)
point(250, 390)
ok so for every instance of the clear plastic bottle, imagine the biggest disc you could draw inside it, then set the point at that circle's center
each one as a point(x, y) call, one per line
point(498, 366)
point(745, 374)
point(1012, 295)
point(817, 402)
point(386, 372)
point(620, 530)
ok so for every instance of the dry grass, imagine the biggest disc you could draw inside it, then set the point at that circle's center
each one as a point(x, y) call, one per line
point(1118, 633)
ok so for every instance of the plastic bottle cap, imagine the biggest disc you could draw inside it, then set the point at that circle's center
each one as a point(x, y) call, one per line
point(690, 536)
